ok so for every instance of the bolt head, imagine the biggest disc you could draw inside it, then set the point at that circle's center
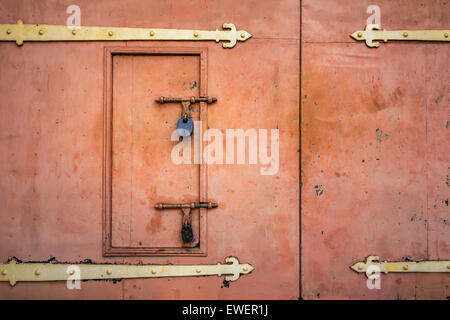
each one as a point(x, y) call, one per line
point(110, 33)
point(405, 34)
point(41, 32)
point(198, 270)
point(153, 271)
point(359, 34)
point(152, 33)
point(74, 32)
point(195, 34)
point(405, 267)
point(446, 34)
point(4, 272)
point(108, 272)
point(8, 31)
point(37, 272)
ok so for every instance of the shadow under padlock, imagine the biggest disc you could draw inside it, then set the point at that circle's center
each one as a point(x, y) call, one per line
point(185, 125)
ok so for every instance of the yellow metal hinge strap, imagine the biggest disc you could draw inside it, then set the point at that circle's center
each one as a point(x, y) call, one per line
point(373, 267)
point(372, 33)
point(21, 32)
point(15, 271)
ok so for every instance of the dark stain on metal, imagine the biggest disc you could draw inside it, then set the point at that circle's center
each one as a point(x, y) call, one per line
point(318, 189)
point(380, 134)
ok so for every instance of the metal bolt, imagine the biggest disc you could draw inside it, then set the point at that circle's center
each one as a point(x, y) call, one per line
point(242, 35)
point(108, 272)
point(41, 32)
point(8, 31)
point(153, 271)
point(360, 267)
point(37, 272)
point(448, 266)
point(405, 267)
point(72, 272)
point(245, 269)
point(446, 34)
point(4, 272)
point(195, 34)
point(359, 34)
point(198, 270)
point(74, 32)
point(110, 33)
point(152, 33)
point(405, 34)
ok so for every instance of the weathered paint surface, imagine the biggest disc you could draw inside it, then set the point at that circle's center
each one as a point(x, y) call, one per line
point(143, 172)
point(51, 131)
point(375, 152)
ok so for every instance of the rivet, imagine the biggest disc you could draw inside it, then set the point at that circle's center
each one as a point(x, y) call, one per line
point(195, 34)
point(152, 33)
point(242, 35)
point(360, 267)
point(359, 34)
point(8, 31)
point(446, 34)
point(74, 32)
point(72, 272)
point(448, 266)
point(153, 271)
point(405, 267)
point(110, 33)
point(108, 272)
point(405, 34)
point(4, 272)
point(198, 270)
point(41, 32)
point(37, 272)
point(245, 269)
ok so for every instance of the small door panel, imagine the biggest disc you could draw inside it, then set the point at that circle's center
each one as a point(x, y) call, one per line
point(140, 141)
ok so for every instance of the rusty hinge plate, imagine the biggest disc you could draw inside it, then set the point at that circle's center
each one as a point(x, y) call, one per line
point(15, 271)
point(372, 33)
point(372, 267)
point(21, 32)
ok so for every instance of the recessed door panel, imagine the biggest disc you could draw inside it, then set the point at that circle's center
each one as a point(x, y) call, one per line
point(141, 138)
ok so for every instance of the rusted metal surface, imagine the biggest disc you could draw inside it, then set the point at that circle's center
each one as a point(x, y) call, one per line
point(51, 150)
point(375, 151)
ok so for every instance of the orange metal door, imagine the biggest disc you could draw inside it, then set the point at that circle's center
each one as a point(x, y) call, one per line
point(375, 151)
point(54, 133)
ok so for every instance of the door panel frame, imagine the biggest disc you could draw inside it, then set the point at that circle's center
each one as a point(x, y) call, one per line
point(108, 249)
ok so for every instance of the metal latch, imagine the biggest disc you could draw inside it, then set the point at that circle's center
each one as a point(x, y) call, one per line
point(186, 227)
point(185, 125)
point(21, 32)
point(15, 271)
point(373, 267)
point(372, 33)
